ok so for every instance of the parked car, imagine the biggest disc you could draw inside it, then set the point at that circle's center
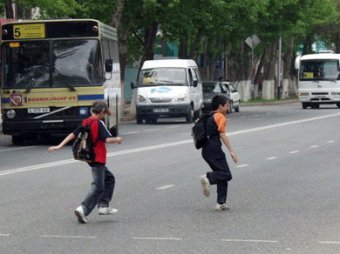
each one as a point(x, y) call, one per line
point(210, 89)
point(234, 97)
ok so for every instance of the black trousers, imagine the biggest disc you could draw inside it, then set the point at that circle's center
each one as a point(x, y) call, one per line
point(220, 174)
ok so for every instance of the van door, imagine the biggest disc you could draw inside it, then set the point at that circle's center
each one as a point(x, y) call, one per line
point(192, 89)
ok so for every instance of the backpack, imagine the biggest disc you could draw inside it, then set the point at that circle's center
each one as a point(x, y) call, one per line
point(83, 147)
point(198, 131)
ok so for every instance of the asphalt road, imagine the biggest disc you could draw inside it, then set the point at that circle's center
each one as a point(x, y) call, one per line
point(284, 197)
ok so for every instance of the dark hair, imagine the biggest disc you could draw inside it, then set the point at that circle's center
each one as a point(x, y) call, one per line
point(218, 100)
point(99, 106)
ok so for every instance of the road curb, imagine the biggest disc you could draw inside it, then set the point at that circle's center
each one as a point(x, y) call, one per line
point(264, 103)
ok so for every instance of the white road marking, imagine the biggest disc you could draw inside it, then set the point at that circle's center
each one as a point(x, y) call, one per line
point(296, 151)
point(69, 236)
point(271, 158)
point(330, 141)
point(171, 127)
point(154, 147)
point(242, 166)
point(158, 238)
point(165, 187)
point(5, 235)
point(249, 241)
point(151, 130)
point(36, 167)
point(314, 146)
point(329, 242)
point(131, 132)
point(17, 148)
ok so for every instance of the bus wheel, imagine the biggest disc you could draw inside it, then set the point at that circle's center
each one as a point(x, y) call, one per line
point(17, 140)
point(338, 104)
point(304, 105)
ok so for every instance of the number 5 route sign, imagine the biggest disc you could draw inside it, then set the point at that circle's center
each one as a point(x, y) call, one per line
point(29, 31)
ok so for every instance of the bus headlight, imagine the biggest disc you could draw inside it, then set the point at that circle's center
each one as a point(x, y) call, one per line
point(83, 111)
point(10, 114)
point(304, 93)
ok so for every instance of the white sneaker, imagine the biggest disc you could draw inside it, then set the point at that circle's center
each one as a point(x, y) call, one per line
point(221, 207)
point(205, 185)
point(106, 210)
point(79, 212)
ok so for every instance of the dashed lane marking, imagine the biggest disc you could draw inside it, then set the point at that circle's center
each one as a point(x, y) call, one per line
point(271, 158)
point(242, 166)
point(314, 146)
point(329, 242)
point(249, 240)
point(69, 236)
point(330, 141)
point(5, 235)
point(165, 187)
point(295, 151)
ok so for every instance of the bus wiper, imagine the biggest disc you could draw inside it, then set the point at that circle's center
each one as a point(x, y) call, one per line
point(70, 87)
point(38, 73)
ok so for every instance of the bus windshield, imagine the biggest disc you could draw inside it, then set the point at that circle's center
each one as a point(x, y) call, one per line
point(162, 76)
point(319, 69)
point(46, 64)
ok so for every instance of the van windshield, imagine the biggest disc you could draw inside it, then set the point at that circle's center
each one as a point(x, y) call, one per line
point(320, 69)
point(162, 77)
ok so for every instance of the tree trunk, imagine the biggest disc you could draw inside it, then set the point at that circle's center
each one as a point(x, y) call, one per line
point(150, 34)
point(9, 9)
point(268, 86)
point(118, 13)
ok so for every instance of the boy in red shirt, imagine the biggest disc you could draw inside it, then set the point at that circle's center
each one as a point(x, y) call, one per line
point(213, 154)
point(103, 180)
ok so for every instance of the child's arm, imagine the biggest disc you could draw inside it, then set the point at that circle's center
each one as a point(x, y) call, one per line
point(69, 137)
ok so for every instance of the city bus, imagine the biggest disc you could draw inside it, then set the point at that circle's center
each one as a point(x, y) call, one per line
point(319, 80)
point(53, 70)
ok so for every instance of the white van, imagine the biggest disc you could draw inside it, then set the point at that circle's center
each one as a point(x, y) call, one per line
point(168, 88)
point(319, 80)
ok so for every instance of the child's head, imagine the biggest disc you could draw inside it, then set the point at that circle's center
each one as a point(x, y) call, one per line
point(218, 100)
point(100, 107)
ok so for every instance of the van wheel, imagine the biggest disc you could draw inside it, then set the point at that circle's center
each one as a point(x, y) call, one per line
point(190, 116)
point(237, 109)
point(139, 119)
point(198, 113)
point(304, 105)
point(338, 104)
point(315, 106)
point(231, 107)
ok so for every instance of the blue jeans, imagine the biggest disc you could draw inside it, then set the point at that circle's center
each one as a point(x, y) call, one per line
point(101, 188)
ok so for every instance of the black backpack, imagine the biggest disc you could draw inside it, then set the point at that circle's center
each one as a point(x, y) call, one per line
point(198, 131)
point(82, 146)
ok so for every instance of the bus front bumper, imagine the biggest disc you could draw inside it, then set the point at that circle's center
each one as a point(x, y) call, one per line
point(12, 127)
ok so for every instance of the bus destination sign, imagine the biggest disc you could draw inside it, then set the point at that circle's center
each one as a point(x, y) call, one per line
point(29, 31)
